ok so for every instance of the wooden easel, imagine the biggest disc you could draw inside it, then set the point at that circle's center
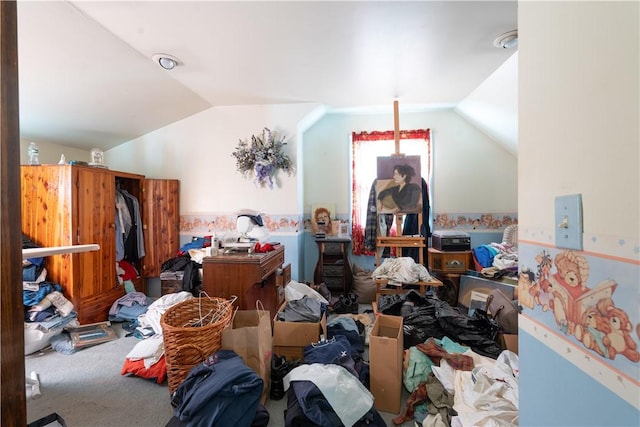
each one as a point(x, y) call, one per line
point(399, 241)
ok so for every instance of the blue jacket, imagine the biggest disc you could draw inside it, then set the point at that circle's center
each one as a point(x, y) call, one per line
point(221, 391)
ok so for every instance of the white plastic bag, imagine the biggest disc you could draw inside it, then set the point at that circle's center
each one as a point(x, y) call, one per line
point(296, 290)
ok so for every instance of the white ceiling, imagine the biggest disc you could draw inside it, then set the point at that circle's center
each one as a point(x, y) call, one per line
point(87, 78)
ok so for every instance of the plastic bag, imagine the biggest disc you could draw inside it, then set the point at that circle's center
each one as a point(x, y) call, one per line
point(296, 290)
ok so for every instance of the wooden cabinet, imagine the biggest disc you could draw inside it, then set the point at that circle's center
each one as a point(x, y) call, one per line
point(65, 205)
point(333, 266)
point(448, 266)
point(249, 277)
point(449, 261)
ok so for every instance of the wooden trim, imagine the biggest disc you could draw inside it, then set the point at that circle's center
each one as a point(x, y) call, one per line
point(13, 410)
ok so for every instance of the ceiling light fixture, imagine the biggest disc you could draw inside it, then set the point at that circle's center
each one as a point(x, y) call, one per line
point(168, 62)
point(507, 40)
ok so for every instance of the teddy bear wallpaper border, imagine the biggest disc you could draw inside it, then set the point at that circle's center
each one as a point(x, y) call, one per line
point(588, 302)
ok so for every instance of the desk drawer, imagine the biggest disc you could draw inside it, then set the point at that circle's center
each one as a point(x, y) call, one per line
point(453, 262)
point(272, 265)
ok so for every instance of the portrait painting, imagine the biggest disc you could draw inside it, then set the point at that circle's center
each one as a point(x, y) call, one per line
point(399, 184)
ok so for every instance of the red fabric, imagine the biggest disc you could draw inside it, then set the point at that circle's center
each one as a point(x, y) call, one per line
point(130, 272)
point(157, 371)
point(266, 247)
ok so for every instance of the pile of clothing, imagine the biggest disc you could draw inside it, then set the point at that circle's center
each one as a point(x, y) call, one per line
point(454, 370)
point(46, 309)
point(146, 359)
point(331, 386)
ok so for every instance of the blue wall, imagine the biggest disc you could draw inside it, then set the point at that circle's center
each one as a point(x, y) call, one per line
point(594, 405)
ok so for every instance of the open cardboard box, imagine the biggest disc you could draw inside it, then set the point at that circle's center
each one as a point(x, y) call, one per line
point(508, 342)
point(290, 338)
point(385, 363)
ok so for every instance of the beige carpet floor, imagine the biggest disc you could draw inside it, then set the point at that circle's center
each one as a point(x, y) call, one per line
point(87, 390)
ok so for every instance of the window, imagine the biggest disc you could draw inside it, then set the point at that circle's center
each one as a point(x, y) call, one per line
point(366, 147)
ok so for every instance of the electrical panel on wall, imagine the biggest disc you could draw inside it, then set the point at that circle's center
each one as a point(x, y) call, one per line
point(568, 220)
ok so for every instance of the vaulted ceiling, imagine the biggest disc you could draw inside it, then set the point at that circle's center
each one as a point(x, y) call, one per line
point(87, 77)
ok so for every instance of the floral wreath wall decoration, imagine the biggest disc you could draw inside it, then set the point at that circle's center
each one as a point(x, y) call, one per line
point(262, 155)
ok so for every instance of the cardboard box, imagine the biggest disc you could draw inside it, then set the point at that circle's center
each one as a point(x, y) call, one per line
point(290, 338)
point(385, 363)
point(474, 282)
point(508, 342)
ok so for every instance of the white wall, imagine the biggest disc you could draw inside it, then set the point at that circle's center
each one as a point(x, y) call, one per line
point(579, 113)
point(50, 153)
point(471, 172)
point(197, 151)
point(493, 106)
point(579, 132)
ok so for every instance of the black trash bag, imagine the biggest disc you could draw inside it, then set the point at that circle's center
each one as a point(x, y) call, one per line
point(421, 324)
point(176, 264)
point(390, 304)
point(477, 331)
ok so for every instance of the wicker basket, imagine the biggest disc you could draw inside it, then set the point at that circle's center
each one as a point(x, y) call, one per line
point(188, 340)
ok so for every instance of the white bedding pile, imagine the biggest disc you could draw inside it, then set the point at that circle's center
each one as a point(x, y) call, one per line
point(487, 396)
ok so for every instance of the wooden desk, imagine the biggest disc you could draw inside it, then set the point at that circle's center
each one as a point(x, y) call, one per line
point(250, 277)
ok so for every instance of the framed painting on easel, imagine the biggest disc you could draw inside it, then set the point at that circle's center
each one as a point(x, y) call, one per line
point(398, 184)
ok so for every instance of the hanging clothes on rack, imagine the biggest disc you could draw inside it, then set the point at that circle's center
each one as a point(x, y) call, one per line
point(123, 223)
point(130, 241)
point(409, 227)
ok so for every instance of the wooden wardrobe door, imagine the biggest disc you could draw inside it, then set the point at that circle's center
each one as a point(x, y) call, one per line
point(161, 219)
point(96, 224)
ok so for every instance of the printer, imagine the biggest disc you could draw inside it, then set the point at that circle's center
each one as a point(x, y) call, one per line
point(451, 240)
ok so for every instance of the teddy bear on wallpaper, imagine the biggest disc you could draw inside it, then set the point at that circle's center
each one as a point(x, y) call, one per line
point(569, 283)
point(618, 340)
point(593, 329)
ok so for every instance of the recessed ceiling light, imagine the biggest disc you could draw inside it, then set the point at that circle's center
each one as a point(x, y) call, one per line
point(507, 40)
point(166, 61)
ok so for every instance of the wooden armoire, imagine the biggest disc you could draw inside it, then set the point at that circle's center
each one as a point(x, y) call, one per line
point(66, 205)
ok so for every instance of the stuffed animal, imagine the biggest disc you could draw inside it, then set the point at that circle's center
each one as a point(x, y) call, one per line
point(592, 330)
point(618, 340)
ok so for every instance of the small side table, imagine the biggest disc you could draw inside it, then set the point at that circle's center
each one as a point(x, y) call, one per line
point(333, 266)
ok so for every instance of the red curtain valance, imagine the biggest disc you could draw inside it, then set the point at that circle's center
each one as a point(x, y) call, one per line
point(390, 135)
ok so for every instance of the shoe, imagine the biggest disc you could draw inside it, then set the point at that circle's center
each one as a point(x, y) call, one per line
point(276, 391)
point(280, 367)
point(353, 299)
point(343, 305)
